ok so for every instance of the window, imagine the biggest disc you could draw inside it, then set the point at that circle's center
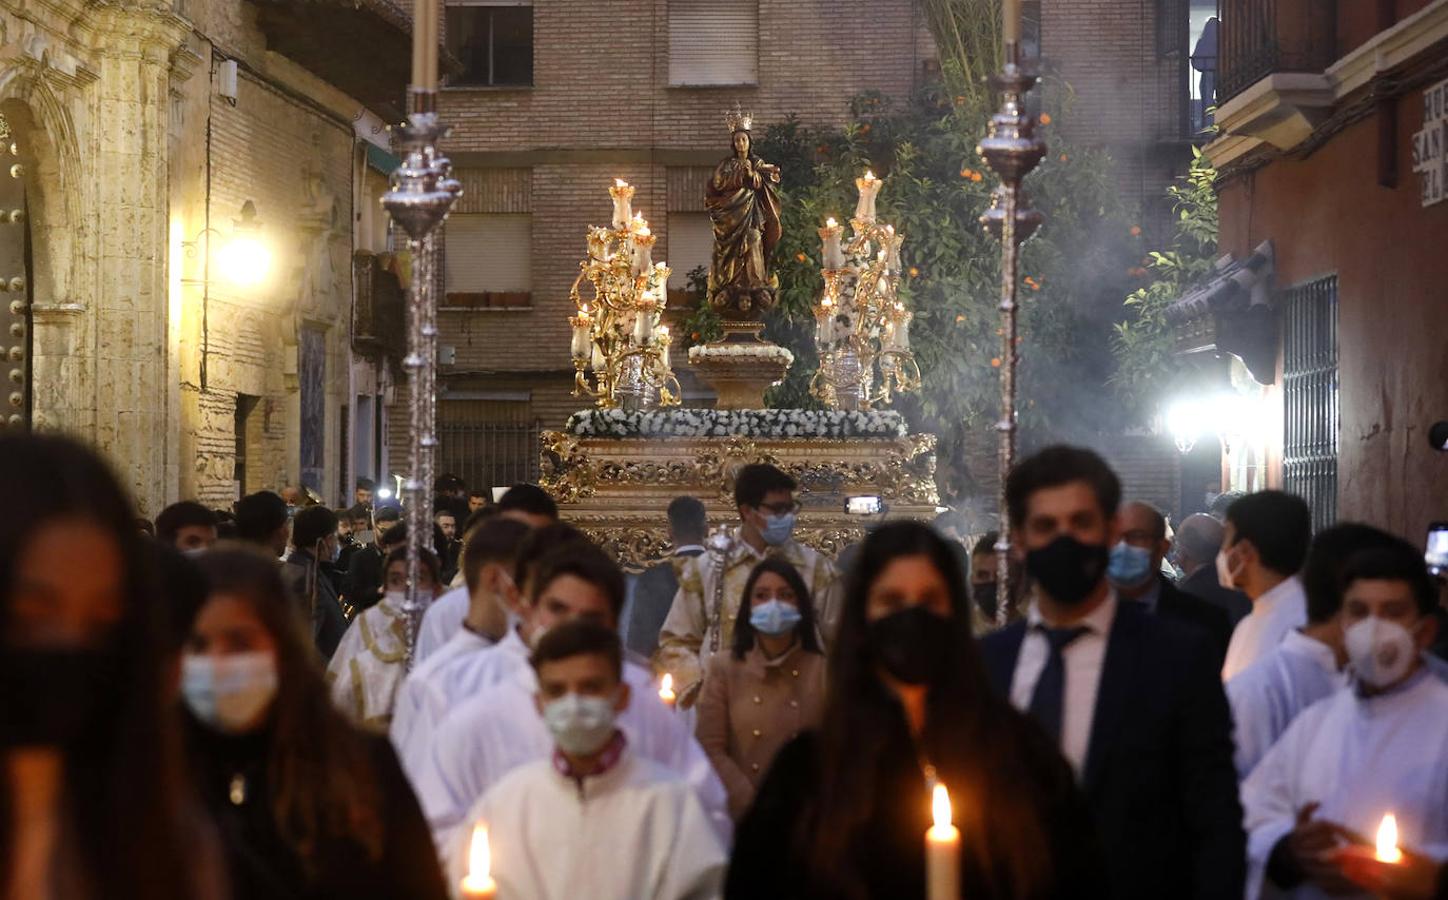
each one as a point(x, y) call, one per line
point(489, 260)
point(490, 439)
point(493, 42)
point(713, 42)
point(1310, 396)
point(691, 243)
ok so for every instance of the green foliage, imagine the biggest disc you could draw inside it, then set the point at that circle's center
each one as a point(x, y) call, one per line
point(1145, 362)
point(936, 187)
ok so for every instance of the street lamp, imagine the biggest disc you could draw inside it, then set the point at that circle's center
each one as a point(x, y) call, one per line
point(245, 261)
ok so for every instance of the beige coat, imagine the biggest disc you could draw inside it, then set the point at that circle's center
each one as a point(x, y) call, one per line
point(750, 708)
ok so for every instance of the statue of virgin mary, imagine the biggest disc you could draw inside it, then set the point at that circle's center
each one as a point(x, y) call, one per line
point(743, 205)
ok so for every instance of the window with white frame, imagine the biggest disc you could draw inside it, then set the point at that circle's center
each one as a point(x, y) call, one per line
point(489, 259)
point(713, 42)
point(494, 42)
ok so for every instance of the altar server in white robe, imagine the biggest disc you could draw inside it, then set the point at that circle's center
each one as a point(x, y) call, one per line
point(488, 559)
point(490, 733)
point(371, 658)
point(1377, 746)
point(1264, 542)
point(591, 817)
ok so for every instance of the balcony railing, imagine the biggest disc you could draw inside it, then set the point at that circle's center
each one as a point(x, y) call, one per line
point(1261, 37)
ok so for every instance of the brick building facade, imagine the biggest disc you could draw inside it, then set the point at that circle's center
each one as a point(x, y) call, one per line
point(142, 132)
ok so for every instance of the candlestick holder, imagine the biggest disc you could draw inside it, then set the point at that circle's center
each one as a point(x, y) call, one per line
point(620, 351)
point(861, 326)
point(1012, 149)
point(422, 192)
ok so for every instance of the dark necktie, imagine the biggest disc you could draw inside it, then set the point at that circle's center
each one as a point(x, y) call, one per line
point(1048, 698)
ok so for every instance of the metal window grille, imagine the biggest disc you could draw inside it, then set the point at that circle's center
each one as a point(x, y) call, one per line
point(1310, 396)
point(489, 454)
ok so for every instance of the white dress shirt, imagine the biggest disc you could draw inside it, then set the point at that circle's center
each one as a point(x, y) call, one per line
point(440, 621)
point(1274, 614)
point(1083, 659)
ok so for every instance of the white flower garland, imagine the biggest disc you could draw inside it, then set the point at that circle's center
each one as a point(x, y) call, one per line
point(753, 423)
point(741, 351)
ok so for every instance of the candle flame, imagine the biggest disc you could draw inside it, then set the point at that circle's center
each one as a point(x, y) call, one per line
point(890, 229)
point(940, 807)
point(666, 685)
point(869, 175)
point(480, 857)
point(831, 223)
point(619, 182)
point(663, 333)
point(1388, 840)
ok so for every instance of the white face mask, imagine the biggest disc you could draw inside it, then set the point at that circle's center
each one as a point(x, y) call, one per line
point(1381, 651)
point(1224, 570)
point(228, 693)
point(580, 725)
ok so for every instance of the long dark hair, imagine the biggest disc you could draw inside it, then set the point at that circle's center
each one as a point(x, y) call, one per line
point(806, 630)
point(122, 794)
point(319, 767)
point(966, 737)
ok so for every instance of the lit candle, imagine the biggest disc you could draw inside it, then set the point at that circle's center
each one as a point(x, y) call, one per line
point(869, 187)
point(582, 324)
point(831, 253)
point(893, 243)
point(478, 884)
point(643, 246)
point(1388, 851)
point(666, 690)
point(598, 362)
point(646, 319)
point(901, 331)
point(942, 851)
point(622, 193)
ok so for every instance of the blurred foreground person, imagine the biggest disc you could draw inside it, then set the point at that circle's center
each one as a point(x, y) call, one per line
point(1377, 746)
point(844, 810)
point(596, 819)
point(371, 660)
point(768, 688)
point(308, 805)
point(89, 802)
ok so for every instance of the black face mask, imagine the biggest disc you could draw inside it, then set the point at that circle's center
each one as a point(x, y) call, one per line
point(984, 595)
point(1067, 569)
point(48, 696)
point(913, 644)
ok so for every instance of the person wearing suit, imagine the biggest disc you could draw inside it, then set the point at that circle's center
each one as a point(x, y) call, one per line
point(1135, 573)
point(654, 591)
point(1197, 542)
point(1133, 699)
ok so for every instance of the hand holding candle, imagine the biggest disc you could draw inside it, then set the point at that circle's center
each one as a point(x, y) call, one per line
point(942, 850)
point(478, 884)
point(666, 690)
point(1388, 851)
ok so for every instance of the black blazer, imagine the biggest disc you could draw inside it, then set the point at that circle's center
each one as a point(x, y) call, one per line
point(1173, 603)
point(1203, 585)
point(1158, 776)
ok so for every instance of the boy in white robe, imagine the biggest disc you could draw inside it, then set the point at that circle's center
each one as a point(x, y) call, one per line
point(595, 820)
point(1375, 747)
point(486, 735)
point(430, 688)
point(371, 658)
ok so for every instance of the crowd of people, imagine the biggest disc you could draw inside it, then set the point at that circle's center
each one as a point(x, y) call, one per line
point(235, 704)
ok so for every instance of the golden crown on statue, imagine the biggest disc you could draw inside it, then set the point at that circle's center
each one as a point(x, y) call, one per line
point(738, 120)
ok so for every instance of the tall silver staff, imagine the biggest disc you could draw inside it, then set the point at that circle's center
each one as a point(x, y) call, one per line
point(1012, 150)
point(422, 192)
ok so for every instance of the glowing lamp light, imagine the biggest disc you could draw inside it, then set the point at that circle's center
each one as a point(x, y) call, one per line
point(244, 260)
point(666, 690)
point(478, 884)
point(1184, 423)
point(384, 493)
point(1388, 851)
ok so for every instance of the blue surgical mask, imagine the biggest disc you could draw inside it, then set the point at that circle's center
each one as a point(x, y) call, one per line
point(1129, 566)
point(774, 618)
point(777, 529)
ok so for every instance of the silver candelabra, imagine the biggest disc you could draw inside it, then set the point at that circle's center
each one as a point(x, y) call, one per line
point(422, 192)
point(1012, 149)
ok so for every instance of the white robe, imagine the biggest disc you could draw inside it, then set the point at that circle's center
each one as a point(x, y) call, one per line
point(443, 619)
point(1274, 614)
point(636, 832)
point(1360, 758)
point(424, 696)
point(369, 664)
point(453, 682)
point(1271, 692)
point(500, 729)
